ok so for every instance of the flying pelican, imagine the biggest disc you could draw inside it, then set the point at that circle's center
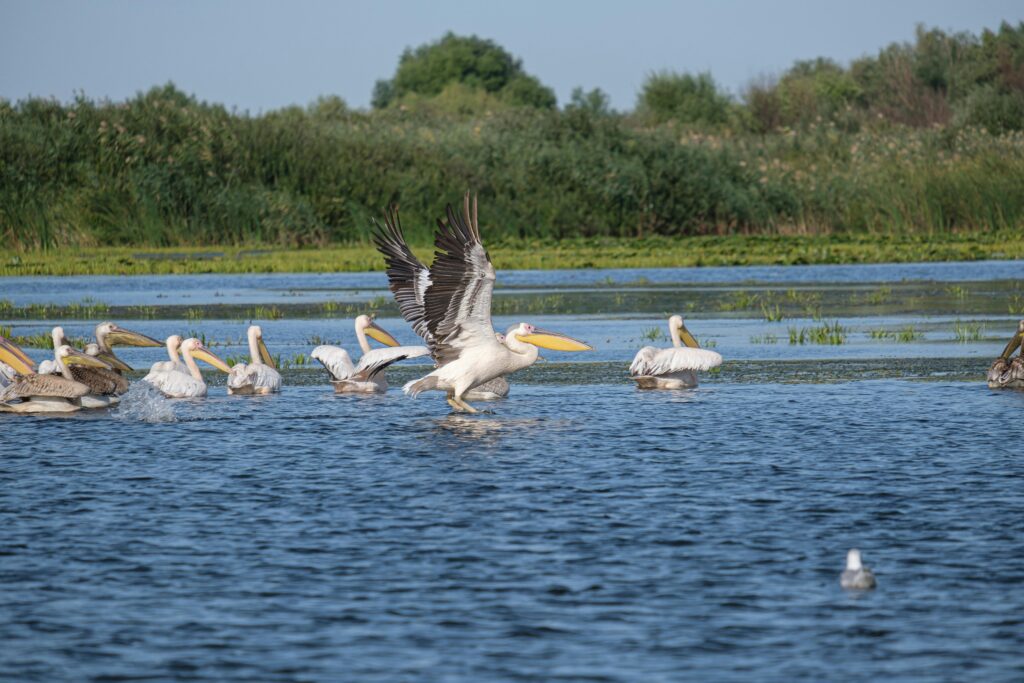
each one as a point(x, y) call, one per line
point(258, 377)
point(367, 376)
point(676, 367)
point(189, 384)
point(29, 392)
point(456, 312)
point(1007, 372)
point(856, 576)
point(408, 280)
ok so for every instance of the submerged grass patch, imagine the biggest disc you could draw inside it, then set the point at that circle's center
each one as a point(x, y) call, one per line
point(826, 334)
point(904, 335)
point(967, 331)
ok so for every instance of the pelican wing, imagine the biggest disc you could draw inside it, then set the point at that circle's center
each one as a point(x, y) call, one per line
point(458, 300)
point(54, 386)
point(654, 362)
point(100, 381)
point(376, 360)
point(176, 384)
point(408, 278)
point(336, 360)
point(257, 375)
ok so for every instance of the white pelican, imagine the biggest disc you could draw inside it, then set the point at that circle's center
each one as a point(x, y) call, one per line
point(29, 392)
point(173, 343)
point(1007, 372)
point(408, 280)
point(456, 312)
point(676, 367)
point(258, 377)
point(856, 576)
point(189, 384)
point(368, 376)
point(108, 335)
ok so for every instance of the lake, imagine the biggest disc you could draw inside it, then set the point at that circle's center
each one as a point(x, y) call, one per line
point(582, 530)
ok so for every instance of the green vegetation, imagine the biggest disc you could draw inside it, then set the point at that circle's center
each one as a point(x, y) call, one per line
point(40, 340)
point(653, 334)
point(967, 332)
point(764, 339)
point(904, 335)
point(916, 153)
point(826, 333)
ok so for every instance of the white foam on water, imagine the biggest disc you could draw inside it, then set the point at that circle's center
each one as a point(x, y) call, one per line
point(145, 403)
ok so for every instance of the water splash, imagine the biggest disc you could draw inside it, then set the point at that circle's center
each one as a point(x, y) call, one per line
point(145, 403)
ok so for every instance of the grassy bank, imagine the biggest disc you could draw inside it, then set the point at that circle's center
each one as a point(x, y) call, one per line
point(651, 252)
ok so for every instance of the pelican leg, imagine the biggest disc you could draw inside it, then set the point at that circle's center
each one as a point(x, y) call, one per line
point(465, 406)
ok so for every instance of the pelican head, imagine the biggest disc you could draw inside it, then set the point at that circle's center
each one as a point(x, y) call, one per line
point(59, 338)
point(16, 358)
point(525, 332)
point(69, 356)
point(853, 562)
point(256, 340)
point(196, 349)
point(174, 343)
point(679, 332)
point(110, 334)
point(365, 324)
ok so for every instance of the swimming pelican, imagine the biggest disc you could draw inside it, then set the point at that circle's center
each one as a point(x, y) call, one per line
point(856, 576)
point(1007, 372)
point(258, 377)
point(368, 376)
point(452, 302)
point(26, 391)
point(408, 280)
point(189, 384)
point(173, 343)
point(108, 335)
point(676, 367)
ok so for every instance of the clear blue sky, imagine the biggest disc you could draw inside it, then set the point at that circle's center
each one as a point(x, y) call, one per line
point(257, 55)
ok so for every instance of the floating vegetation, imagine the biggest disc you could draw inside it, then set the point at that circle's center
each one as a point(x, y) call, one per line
point(265, 313)
point(653, 334)
point(764, 339)
point(825, 334)
point(879, 296)
point(771, 312)
point(957, 292)
point(708, 343)
point(87, 309)
point(904, 335)
point(967, 332)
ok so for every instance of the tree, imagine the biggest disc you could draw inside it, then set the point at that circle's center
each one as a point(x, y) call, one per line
point(686, 98)
point(595, 102)
point(471, 61)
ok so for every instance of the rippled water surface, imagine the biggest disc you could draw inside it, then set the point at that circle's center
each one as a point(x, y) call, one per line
point(583, 530)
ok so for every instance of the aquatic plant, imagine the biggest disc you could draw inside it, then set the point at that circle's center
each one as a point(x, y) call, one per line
point(904, 335)
point(967, 331)
point(771, 313)
point(826, 334)
point(879, 296)
point(957, 291)
point(764, 339)
point(265, 313)
point(653, 334)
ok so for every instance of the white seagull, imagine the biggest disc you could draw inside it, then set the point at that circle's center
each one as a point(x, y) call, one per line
point(452, 304)
point(368, 376)
point(675, 367)
point(258, 377)
point(856, 576)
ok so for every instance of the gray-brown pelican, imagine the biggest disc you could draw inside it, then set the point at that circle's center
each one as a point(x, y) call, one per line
point(675, 367)
point(109, 335)
point(29, 392)
point(856, 576)
point(175, 384)
point(1008, 372)
point(408, 280)
point(452, 303)
point(258, 377)
point(368, 376)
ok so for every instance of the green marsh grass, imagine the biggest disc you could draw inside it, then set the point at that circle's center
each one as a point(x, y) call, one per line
point(827, 333)
point(967, 331)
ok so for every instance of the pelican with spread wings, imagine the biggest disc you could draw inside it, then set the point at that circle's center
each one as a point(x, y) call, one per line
point(449, 305)
point(368, 375)
point(675, 367)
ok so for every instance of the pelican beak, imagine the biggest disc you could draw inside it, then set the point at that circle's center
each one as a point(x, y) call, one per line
point(114, 362)
point(74, 357)
point(553, 341)
point(264, 353)
point(1012, 346)
point(378, 333)
point(687, 338)
point(16, 358)
point(207, 356)
point(122, 337)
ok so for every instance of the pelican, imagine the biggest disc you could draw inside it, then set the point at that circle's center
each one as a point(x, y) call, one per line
point(452, 303)
point(676, 367)
point(408, 280)
point(258, 377)
point(109, 334)
point(189, 384)
point(1007, 372)
point(366, 377)
point(29, 392)
point(856, 576)
point(105, 381)
point(173, 343)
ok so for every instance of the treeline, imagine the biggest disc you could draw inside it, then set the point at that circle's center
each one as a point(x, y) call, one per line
point(924, 137)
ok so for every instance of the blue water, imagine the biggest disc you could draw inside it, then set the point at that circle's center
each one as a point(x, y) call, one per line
point(576, 534)
point(583, 530)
